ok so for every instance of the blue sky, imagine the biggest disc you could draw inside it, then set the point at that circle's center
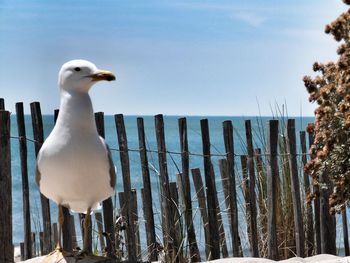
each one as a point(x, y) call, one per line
point(172, 57)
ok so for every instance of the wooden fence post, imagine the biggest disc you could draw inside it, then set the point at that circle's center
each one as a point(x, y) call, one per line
point(73, 232)
point(222, 236)
point(211, 205)
point(262, 198)
point(226, 188)
point(147, 194)
point(6, 245)
point(25, 185)
point(309, 218)
point(66, 231)
point(2, 104)
point(122, 205)
point(135, 222)
point(298, 217)
point(99, 223)
point(198, 184)
point(246, 193)
point(174, 206)
point(54, 232)
point(107, 204)
point(231, 183)
point(316, 204)
point(41, 243)
point(21, 248)
point(272, 185)
point(38, 133)
point(251, 171)
point(186, 191)
point(33, 239)
point(327, 221)
point(345, 232)
point(167, 218)
point(124, 160)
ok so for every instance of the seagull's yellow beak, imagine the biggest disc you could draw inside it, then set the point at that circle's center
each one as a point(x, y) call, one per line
point(103, 75)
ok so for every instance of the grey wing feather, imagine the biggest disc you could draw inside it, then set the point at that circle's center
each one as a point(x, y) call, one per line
point(112, 173)
point(37, 175)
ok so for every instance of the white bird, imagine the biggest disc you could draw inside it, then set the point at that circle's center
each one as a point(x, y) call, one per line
point(74, 165)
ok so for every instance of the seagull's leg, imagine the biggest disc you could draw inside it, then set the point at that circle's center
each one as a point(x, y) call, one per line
point(60, 225)
point(87, 251)
point(87, 239)
point(58, 252)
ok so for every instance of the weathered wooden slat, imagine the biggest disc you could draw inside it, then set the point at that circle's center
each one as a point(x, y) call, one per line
point(309, 218)
point(99, 222)
point(246, 193)
point(251, 172)
point(123, 215)
point(54, 233)
point(345, 233)
point(135, 221)
point(21, 247)
point(81, 223)
point(167, 217)
point(33, 239)
point(6, 245)
point(272, 186)
point(186, 191)
point(316, 191)
point(147, 194)
point(178, 238)
point(231, 183)
point(124, 160)
point(327, 221)
point(73, 232)
point(2, 104)
point(108, 203)
point(66, 231)
point(25, 185)
point(295, 186)
point(210, 194)
point(108, 224)
point(199, 187)
point(38, 133)
point(262, 187)
point(41, 243)
point(222, 236)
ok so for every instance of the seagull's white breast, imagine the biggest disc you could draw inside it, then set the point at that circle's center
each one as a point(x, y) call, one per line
point(74, 169)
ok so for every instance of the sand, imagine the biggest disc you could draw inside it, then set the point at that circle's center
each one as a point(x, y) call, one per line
point(315, 259)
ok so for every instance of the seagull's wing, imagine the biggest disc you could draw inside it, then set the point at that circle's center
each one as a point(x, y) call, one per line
point(37, 171)
point(112, 173)
point(37, 175)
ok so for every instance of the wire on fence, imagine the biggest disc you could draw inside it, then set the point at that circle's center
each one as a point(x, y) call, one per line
point(174, 152)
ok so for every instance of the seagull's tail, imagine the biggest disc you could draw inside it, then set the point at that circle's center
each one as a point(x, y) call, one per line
point(96, 206)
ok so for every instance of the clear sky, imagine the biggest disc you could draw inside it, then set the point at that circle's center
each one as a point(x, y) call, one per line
point(173, 57)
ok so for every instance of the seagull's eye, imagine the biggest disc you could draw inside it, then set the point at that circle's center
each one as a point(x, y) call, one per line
point(77, 69)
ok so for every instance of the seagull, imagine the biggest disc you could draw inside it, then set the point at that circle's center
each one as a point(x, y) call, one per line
point(74, 166)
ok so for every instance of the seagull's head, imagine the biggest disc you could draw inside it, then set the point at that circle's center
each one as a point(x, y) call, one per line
point(79, 76)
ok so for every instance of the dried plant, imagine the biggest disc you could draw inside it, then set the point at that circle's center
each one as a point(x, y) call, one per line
point(331, 91)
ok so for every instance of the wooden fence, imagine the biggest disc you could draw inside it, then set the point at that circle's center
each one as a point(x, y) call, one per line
point(313, 229)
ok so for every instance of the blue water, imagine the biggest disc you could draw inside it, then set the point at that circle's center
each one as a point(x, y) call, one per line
point(172, 144)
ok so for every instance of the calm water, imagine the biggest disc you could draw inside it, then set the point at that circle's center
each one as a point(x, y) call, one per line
point(172, 143)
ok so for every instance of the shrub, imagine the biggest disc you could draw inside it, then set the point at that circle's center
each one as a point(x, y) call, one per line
point(331, 91)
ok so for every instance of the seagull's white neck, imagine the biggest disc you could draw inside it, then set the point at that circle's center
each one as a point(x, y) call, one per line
point(76, 112)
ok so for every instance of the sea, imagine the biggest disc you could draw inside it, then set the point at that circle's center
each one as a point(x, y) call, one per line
point(259, 125)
